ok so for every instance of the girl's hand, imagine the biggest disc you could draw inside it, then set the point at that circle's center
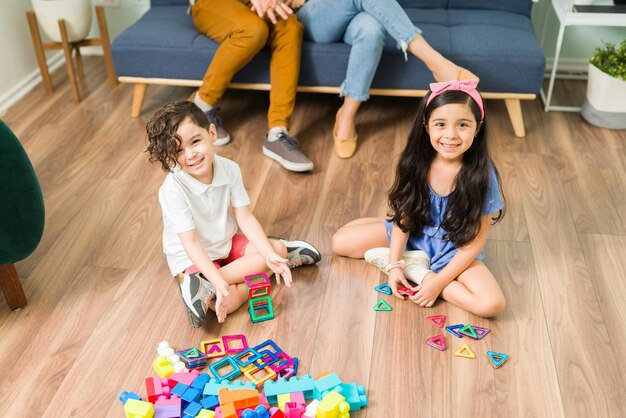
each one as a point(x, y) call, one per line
point(294, 4)
point(280, 268)
point(221, 296)
point(427, 292)
point(397, 279)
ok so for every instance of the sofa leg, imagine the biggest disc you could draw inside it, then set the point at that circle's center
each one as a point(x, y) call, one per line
point(11, 287)
point(514, 107)
point(139, 93)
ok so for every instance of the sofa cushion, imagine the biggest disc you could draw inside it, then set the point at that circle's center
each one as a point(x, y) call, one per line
point(498, 45)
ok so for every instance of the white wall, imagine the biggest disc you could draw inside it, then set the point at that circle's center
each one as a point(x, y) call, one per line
point(20, 72)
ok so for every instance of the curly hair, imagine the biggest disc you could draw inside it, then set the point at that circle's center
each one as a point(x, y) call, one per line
point(409, 197)
point(163, 141)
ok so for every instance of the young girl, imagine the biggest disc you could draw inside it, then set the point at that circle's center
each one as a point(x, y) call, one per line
point(445, 196)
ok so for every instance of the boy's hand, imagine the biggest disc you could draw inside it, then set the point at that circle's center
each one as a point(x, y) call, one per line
point(426, 294)
point(294, 4)
point(271, 8)
point(280, 268)
point(397, 279)
point(221, 296)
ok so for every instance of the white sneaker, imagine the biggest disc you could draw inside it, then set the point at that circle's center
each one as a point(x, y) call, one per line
point(416, 262)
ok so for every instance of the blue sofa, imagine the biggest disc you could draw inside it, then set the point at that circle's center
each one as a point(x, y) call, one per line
point(492, 38)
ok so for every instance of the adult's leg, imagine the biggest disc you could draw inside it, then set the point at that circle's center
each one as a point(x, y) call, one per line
point(241, 35)
point(358, 236)
point(476, 290)
point(285, 41)
point(400, 27)
point(366, 35)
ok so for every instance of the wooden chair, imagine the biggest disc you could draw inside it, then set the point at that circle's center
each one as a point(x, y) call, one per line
point(68, 47)
point(22, 214)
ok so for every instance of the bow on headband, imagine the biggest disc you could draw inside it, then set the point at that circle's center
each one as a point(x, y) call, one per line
point(467, 86)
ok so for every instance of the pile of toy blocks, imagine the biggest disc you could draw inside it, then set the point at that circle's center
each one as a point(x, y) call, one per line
point(203, 395)
point(259, 300)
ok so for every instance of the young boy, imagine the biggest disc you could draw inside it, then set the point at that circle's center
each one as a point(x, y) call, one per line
point(203, 201)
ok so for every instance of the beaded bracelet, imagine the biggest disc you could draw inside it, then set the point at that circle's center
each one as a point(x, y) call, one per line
point(394, 265)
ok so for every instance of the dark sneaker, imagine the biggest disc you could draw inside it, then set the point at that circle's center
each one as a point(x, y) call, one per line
point(300, 253)
point(285, 150)
point(196, 292)
point(222, 136)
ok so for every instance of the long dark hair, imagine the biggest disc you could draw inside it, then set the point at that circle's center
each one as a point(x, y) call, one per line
point(409, 197)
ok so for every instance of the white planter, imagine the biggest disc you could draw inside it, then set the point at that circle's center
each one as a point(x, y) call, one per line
point(605, 105)
point(76, 13)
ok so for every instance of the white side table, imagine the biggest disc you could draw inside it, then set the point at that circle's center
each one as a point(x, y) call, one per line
point(567, 17)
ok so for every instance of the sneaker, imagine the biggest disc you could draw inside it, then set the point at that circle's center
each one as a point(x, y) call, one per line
point(285, 150)
point(196, 292)
point(300, 253)
point(416, 263)
point(222, 136)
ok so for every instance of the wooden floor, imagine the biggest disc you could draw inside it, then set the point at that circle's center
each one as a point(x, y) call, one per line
point(100, 297)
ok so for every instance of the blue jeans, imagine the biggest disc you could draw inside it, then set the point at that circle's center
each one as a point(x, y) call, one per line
point(363, 24)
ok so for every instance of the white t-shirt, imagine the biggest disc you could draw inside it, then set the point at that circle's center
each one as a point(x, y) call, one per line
point(188, 204)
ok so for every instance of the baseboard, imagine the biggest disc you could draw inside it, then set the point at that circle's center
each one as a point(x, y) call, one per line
point(29, 82)
point(568, 65)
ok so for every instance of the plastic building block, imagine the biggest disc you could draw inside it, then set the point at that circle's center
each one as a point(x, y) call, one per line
point(481, 332)
point(253, 376)
point(205, 413)
point(326, 384)
point(311, 409)
point(213, 387)
point(224, 362)
point(465, 351)
point(438, 320)
point(258, 285)
point(405, 291)
point(469, 331)
point(240, 398)
point(201, 380)
point(286, 373)
point(231, 348)
point(249, 354)
point(124, 396)
point(333, 405)
point(383, 288)
point(162, 366)
point(179, 390)
point(306, 385)
point(191, 395)
point(297, 397)
point(192, 410)
point(185, 378)
point(258, 412)
point(278, 414)
point(268, 345)
point(294, 409)
point(213, 348)
point(354, 394)
point(168, 408)
point(452, 329)
point(438, 342)
point(497, 359)
point(164, 349)
point(138, 409)
point(284, 362)
point(261, 304)
point(381, 305)
point(210, 402)
point(157, 387)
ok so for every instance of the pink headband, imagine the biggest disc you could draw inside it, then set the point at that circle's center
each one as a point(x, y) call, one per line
point(467, 86)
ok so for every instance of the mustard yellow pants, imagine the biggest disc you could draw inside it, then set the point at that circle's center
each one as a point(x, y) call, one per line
point(241, 35)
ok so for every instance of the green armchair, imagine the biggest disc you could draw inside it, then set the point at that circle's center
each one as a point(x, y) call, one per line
point(22, 214)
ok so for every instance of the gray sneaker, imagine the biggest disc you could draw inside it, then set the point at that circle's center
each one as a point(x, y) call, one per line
point(196, 292)
point(300, 253)
point(222, 136)
point(285, 150)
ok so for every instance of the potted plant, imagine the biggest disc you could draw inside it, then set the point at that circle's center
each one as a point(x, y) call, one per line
point(605, 105)
point(76, 13)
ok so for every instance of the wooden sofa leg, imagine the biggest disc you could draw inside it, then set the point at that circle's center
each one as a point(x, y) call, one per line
point(11, 287)
point(514, 107)
point(139, 93)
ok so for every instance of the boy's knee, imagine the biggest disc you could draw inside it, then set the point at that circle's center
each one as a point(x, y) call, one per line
point(291, 29)
point(254, 34)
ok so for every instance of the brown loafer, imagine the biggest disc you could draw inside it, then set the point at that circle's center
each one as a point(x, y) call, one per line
point(344, 147)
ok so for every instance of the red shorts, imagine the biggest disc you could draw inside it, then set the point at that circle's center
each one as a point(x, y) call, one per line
point(237, 250)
